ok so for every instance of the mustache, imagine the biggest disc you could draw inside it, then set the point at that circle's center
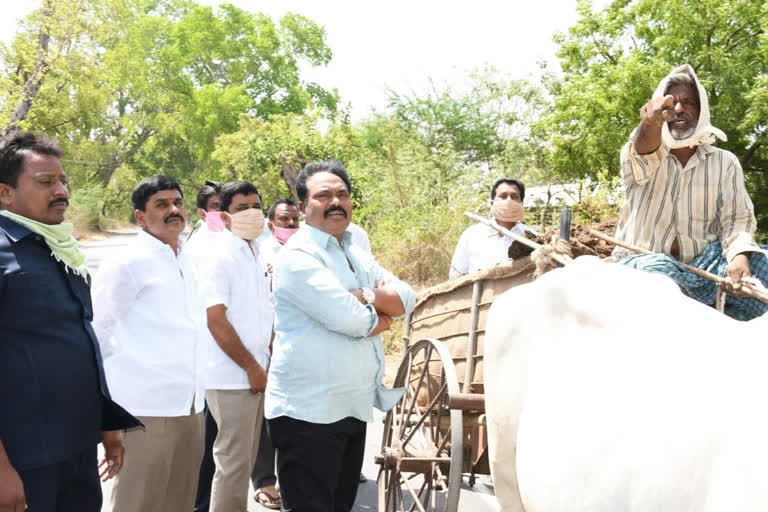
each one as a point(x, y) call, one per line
point(682, 117)
point(173, 216)
point(334, 209)
point(58, 201)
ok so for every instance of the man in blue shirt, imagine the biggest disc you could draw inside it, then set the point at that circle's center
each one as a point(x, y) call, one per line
point(54, 401)
point(331, 302)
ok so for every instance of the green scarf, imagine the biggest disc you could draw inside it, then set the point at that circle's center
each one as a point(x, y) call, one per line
point(59, 238)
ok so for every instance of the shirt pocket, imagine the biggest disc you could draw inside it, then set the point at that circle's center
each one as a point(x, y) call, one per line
point(32, 297)
point(699, 206)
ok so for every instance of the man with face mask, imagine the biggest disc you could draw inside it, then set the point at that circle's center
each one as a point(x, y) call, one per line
point(686, 200)
point(199, 243)
point(481, 246)
point(235, 288)
point(283, 221)
point(207, 201)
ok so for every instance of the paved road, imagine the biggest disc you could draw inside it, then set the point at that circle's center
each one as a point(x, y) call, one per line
point(97, 251)
point(477, 499)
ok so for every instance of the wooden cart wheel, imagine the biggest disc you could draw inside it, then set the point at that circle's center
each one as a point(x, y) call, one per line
point(421, 450)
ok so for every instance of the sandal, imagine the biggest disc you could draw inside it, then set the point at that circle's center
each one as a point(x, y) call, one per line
point(268, 497)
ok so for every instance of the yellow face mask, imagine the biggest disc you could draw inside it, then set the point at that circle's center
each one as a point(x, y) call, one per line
point(507, 210)
point(248, 224)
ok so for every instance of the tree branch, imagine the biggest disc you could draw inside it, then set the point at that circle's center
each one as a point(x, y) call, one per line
point(603, 52)
point(739, 41)
point(35, 81)
point(733, 34)
point(746, 159)
point(48, 128)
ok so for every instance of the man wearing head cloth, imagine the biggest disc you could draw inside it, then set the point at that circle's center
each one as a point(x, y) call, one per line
point(686, 200)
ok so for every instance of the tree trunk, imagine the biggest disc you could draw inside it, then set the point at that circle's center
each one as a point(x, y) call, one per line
point(115, 160)
point(747, 158)
point(36, 79)
point(289, 174)
point(109, 169)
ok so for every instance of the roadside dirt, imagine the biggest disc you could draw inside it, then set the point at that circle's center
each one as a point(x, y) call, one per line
point(392, 363)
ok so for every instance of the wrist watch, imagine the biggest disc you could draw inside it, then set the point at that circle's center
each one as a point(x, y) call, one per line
point(369, 297)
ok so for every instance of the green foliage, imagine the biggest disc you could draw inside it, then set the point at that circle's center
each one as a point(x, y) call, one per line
point(415, 169)
point(85, 207)
point(263, 149)
point(413, 202)
point(392, 339)
point(597, 204)
point(151, 83)
point(139, 87)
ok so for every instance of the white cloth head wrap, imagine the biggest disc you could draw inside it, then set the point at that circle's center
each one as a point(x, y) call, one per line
point(704, 133)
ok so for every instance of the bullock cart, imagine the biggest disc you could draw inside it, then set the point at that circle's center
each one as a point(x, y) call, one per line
point(437, 432)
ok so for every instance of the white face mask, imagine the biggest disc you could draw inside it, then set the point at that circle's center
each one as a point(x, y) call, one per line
point(507, 210)
point(248, 224)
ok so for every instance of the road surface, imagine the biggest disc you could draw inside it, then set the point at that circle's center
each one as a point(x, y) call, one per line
point(477, 499)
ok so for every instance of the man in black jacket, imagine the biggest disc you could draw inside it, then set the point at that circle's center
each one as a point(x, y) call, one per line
point(54, 403)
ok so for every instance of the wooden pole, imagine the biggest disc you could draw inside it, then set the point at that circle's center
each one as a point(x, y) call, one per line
point(746, 287)
point(560, 258)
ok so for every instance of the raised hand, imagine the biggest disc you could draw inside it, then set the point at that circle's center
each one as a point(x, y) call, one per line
point(658, 110)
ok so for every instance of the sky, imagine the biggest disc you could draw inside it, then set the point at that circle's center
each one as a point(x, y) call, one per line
point(403, 44)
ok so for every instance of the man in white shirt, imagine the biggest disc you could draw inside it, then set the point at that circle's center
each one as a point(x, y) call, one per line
point(207, 201)
point(360, 238)
point(481, 246)
point(198, 244)
point(239, 311)
point(283, 221)
point(148, 318)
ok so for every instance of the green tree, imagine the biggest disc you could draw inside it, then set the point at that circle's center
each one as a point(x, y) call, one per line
point(271, 152)
point(149, 84)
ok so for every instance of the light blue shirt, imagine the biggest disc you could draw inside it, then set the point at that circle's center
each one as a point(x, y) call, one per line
point(324, 366)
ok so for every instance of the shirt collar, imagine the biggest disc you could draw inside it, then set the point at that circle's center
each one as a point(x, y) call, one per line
point(517, 228)
point(704, 149)
point(322, 239)
point(237, 243)
point(14, 230)
point(490, 230)
point(152, 243)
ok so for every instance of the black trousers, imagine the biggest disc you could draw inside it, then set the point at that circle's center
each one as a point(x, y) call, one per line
point(71, 485)
point(318, 464)
point(208, 466)
point(264, 469)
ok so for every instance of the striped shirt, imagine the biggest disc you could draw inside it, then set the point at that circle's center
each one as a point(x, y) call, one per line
point(703, 202)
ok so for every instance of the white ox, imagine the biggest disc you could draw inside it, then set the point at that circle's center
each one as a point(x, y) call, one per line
point(609, 391)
